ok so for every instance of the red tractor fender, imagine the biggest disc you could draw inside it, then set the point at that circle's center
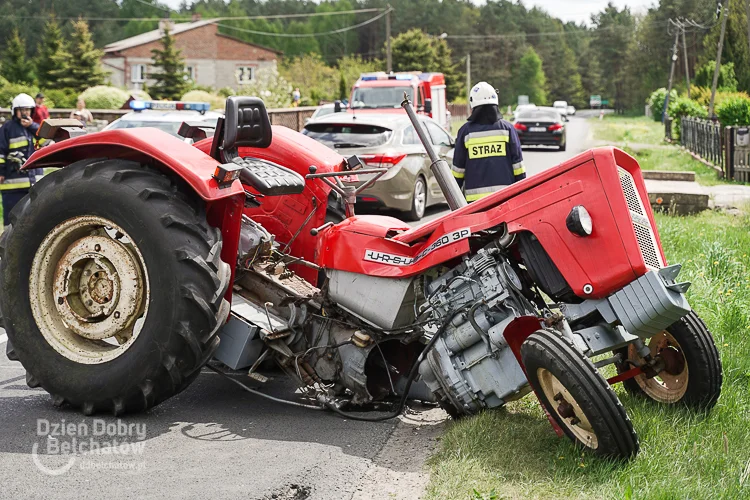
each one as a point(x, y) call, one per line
point(146, 145)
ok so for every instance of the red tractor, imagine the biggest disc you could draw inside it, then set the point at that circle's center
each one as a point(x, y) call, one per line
point(123, 270)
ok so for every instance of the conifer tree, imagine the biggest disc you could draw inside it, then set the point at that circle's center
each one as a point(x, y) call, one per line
point(171, 81)
point(15, 66)
point(83, 61)
point(52, 59)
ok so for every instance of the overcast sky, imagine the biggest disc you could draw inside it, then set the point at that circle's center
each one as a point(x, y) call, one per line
point(567, 10)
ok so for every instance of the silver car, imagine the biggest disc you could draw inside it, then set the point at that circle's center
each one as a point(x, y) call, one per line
point(388, 140)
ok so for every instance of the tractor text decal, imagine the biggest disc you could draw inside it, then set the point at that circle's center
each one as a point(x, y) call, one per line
point(402, 260)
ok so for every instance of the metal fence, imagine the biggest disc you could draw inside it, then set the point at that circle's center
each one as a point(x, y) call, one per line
point(704, 139)
point(293, 118)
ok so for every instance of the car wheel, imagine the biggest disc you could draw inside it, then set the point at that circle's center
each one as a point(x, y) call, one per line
point(562, 146)
point(418, 200)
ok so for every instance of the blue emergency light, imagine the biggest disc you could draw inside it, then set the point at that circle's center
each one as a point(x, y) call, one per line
point(202, 107)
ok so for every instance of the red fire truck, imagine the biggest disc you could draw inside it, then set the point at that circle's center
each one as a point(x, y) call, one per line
point(383, 91)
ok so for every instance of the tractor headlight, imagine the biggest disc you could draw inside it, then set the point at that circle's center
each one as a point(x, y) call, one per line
point(579, 221)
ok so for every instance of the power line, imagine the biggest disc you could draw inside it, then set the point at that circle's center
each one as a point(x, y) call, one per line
point(306, 35)
point(188, 19)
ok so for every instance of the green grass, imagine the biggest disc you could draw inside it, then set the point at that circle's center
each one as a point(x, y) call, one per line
point(513, 452)
point(673, 158)
point(621, 130)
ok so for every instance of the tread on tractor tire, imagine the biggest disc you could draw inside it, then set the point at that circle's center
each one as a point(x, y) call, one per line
point(701, 386)
point(579, 399)
point(161, 232)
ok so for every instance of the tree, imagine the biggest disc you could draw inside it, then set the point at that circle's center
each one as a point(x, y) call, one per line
point(704, 77)
point(343, 88)
point(52, 61)
point(529, 78)
point(614, 41)
point(316, 80)
point(82, 61)
point(412, 51)
point(171, 79)
point(15, 66)
point(417, 51)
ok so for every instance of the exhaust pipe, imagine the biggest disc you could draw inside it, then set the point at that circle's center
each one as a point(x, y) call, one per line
point(440, 169)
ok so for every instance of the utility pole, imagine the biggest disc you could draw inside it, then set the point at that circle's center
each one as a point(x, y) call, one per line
point(725, 12)
point(388, 59)
point(747, 12)
point(468, 82)
point(687, 67)
point(671, 75)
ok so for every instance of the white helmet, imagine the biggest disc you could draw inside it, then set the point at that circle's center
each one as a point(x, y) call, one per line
point(22, 101)
point(481, 94)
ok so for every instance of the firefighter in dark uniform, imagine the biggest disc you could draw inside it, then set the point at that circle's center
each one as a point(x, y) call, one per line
point(488, 152)
point(17, 139)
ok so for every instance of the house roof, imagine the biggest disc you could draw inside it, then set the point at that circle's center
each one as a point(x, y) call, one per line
point(154, 35)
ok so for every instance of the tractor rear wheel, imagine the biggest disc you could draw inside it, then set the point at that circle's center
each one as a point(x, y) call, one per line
point(113, 286)
point(692, 369)
point(577, 397)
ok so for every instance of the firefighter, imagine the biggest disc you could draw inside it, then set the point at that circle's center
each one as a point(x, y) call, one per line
point(16, 146)
point(488, 152)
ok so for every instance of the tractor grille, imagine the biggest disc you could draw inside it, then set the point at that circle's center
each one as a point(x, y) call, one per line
point(644, 233)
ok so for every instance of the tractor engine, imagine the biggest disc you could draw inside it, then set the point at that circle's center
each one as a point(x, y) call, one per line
point(471, 366)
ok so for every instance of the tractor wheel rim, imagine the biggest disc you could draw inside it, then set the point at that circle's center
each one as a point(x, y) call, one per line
point(89, 289)
point(665, 387)
point(566, 407)
point(420, 197)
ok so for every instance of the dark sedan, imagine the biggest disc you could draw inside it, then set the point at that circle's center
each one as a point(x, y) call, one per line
point(541, 127)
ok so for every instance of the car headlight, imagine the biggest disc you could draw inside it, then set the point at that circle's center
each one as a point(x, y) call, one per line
point(579, 221)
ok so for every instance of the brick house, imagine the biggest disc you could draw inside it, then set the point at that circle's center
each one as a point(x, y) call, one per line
point(211, 58)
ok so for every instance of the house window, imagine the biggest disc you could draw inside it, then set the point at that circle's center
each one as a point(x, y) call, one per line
point(138, 73)
point(189, 73)
point(244, 74)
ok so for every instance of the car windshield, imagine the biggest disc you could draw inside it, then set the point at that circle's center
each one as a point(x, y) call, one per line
point(169, 127)
point(538, 114)
point(323, 111)
point(380, 97)
point(348, 136)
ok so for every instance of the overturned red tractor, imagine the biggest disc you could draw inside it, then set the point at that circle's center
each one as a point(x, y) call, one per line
point(143, 258)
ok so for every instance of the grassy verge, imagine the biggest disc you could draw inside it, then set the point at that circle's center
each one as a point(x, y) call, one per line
point(673, 158)
point(620, 130)
point(513, 452)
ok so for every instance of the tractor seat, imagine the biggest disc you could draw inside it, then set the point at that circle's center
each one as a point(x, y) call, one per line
point(268, 178)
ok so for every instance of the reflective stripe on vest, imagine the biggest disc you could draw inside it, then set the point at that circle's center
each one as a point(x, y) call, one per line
point(477, 193)
point(20, 183)
point(519, 168)
point(458, 173)
point(487, 143)
point(18, 142)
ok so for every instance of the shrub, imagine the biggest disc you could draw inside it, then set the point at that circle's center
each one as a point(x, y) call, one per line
point(656, 102)
point(275, 91)
point(226, 92)
point(734, 111)
point(60, 98)
point(104, 97)
point(139, 94)
point(704, 76)
point(682, 106)
point(217, 102)
point(11, 90)
point(702, 95)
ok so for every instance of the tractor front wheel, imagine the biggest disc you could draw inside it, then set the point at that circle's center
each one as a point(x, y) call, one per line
point(577, 397)
point(691, 373)
point(113, 286)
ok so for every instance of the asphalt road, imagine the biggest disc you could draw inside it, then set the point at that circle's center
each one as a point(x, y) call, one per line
point(211, 441)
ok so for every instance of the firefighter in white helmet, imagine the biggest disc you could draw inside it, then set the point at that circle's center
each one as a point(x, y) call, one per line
point(16, 146)
point(488, 152)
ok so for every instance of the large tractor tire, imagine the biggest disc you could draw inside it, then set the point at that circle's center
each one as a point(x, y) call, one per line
point(692, 372)
point(112, 286)
point(577, 397)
